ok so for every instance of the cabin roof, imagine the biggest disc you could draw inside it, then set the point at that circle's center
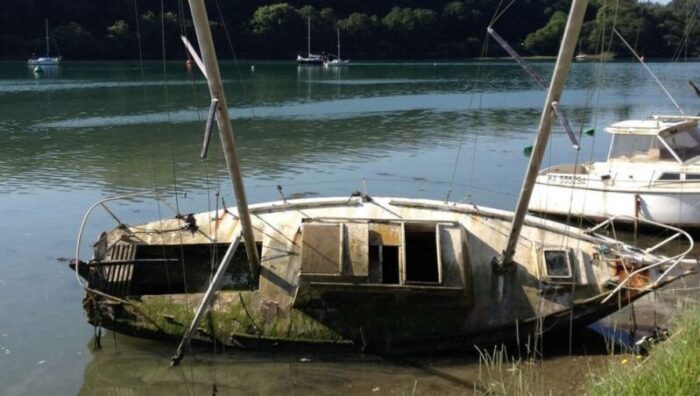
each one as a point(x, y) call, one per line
point(649, 127)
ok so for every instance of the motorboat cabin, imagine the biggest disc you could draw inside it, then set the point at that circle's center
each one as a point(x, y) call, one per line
point(652, 172)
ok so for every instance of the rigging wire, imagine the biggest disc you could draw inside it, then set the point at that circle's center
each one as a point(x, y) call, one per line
point(151, 133)
point(175, 189)
point(668, 94)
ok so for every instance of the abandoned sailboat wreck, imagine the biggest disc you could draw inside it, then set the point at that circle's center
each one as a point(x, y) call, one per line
point(385, 274)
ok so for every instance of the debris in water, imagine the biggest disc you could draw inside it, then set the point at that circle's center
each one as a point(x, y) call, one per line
point(376, 389)
point(7, 351)
point(42, 361)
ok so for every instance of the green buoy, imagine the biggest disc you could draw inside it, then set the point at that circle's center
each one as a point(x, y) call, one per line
point(527, 150)
point(589, 131)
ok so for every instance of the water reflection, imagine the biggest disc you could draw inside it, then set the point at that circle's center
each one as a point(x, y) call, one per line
point(130, 366)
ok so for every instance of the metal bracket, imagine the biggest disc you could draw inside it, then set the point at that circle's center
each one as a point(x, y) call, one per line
point(213, 107)
point(565, 124)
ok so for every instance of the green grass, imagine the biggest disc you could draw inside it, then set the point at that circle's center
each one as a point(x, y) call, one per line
point(672, 367)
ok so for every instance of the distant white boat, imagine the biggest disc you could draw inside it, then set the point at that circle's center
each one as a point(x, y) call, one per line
point(310, 59)
point(652, 172)
point(581, 56)
point(45, 60)
point(337, 61)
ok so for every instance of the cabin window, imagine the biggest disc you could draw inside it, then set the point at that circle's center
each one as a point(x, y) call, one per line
point(670, 176)
point(557, 264)
point(421, 254)
point(692, 176)
point(685, 142)
point(638, 148)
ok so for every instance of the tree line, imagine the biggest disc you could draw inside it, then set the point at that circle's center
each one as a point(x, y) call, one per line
point(398, 29)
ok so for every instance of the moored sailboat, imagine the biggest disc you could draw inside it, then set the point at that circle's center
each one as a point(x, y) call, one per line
point(46, 60)
point(337, 61)
point(376, 273)
point(309, 59)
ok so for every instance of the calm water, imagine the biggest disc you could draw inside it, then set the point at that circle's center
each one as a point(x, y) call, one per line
point(92, 130)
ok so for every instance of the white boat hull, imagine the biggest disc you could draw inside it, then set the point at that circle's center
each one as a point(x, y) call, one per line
point(44, 62)
point(677, 208)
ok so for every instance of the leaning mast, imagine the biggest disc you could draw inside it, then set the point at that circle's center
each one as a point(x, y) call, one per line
point(216, 89)
point(561, 71)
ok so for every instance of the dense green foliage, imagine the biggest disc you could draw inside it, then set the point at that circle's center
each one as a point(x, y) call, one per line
point(109, 29)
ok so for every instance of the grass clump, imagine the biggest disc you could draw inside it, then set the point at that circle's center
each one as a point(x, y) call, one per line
point(672, 367)
point(501, 374)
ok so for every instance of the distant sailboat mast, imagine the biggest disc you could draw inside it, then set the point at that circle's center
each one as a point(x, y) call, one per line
point(338, 36)
point(308, 36)
point(47, 38)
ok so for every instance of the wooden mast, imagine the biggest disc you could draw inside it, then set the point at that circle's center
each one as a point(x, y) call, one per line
point(216, 89)
point(561, 70)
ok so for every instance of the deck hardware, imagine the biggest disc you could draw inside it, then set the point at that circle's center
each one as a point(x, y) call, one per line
point(213, 107)
point(279, 190)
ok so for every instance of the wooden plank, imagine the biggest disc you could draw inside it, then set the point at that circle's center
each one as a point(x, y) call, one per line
point(356, 248)
point(385, 234)
point(321, 251)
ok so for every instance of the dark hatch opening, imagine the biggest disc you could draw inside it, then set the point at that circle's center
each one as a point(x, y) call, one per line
point(421, 256)
point(200, 262)
point(384, 264)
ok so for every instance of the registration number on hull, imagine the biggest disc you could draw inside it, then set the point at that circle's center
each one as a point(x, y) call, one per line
point(566, 179)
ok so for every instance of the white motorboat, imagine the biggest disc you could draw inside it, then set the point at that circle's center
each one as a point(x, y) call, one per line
point(47, 60)
point(652, 172)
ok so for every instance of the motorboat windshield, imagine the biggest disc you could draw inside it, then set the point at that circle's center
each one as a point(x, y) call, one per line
point(684, 142)
point(639, 148)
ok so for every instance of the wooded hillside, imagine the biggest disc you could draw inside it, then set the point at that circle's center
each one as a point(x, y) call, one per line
point(417, 29)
